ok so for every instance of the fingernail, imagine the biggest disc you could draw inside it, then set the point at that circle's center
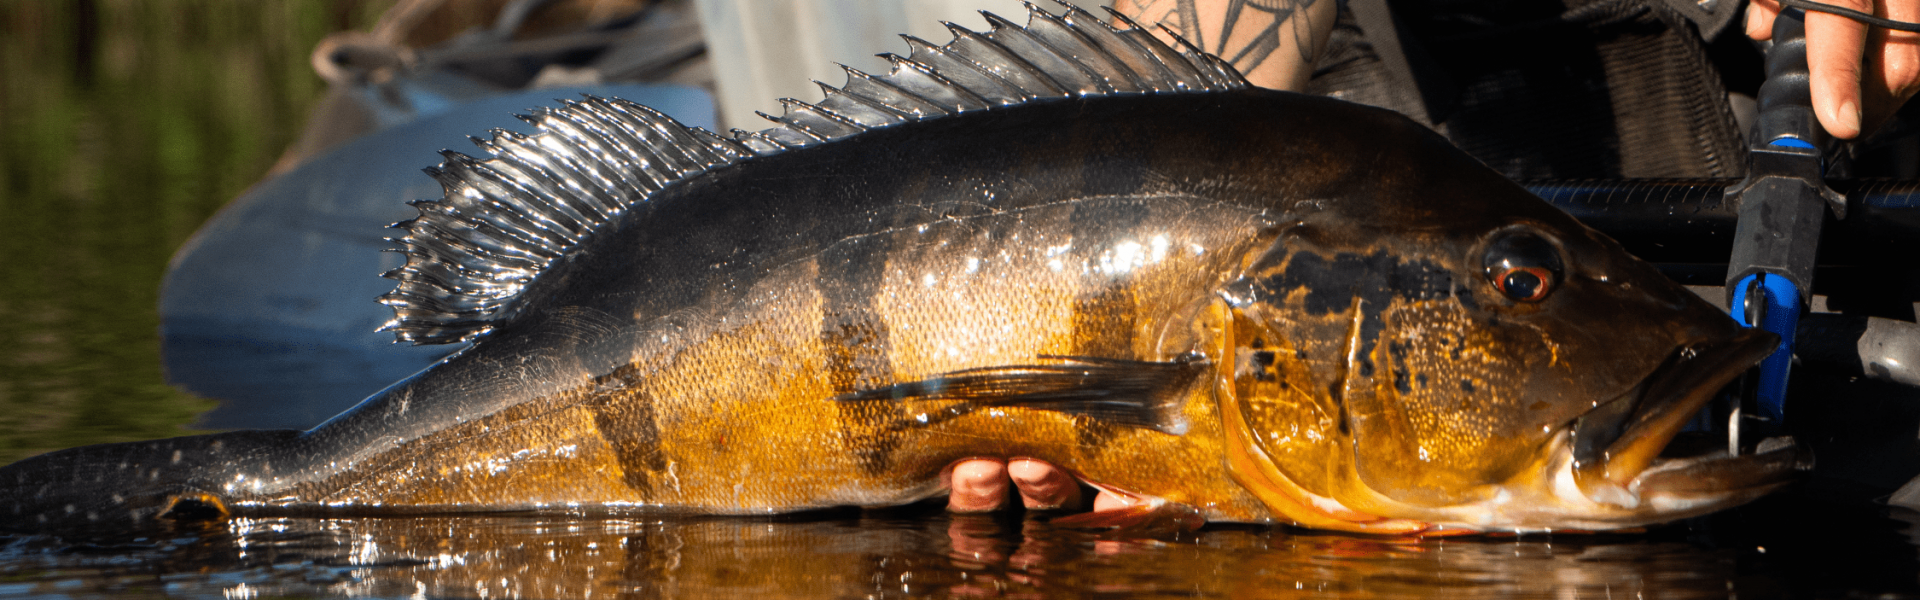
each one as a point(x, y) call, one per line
point(1849, 117)
point(1753, 21)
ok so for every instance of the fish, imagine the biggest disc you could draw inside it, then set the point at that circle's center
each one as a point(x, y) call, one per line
point(1066, 241)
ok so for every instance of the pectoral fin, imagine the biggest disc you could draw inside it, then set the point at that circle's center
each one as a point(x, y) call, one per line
point(1134, 393)
point(1145, 517)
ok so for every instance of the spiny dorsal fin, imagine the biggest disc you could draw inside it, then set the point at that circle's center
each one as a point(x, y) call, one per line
point(504, 219)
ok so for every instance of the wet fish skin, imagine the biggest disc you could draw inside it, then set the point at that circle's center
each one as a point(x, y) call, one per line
point(722, 348)
point(834, 292)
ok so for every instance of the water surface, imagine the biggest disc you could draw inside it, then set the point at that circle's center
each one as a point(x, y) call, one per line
point(916, 552)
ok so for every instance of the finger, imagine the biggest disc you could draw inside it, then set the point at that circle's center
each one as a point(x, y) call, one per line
point(1110, 501)
point(1043, 486)
point(979, 485)
point(1892, 64)
point(1835, 46)
point(1760, 16)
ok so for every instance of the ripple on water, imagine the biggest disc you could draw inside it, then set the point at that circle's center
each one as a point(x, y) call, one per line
point(929, 553)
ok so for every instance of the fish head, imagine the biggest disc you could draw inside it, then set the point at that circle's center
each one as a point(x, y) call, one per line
point(1440, 345)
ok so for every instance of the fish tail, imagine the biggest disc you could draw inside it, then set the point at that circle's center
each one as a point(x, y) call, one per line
point(137, 483)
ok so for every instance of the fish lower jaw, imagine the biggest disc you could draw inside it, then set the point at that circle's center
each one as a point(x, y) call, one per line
point(1551, 499)
point(1670, 488)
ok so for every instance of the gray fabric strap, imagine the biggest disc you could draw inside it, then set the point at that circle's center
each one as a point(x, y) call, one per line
point(1376, 22)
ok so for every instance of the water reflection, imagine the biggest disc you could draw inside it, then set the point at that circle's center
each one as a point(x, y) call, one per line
point(926, 553)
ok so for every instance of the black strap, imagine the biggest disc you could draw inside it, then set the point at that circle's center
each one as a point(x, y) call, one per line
point(1852, 14)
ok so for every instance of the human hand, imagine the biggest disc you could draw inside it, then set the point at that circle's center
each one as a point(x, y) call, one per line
point(1859, 77)
point(981, 485)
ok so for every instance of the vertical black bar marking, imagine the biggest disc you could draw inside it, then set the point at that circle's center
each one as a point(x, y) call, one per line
point(1103, 323)
point(857, 345)
point(1104, 315)
point(623, 409)
point(1104, 312)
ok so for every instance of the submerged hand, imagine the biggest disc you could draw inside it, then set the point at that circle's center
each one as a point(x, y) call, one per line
point(1860, 75)
point(980, 485)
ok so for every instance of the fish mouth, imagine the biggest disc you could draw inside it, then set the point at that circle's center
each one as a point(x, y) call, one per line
point(1620, 448)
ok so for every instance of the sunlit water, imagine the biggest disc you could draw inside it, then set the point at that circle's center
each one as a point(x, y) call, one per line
point(1785, 547)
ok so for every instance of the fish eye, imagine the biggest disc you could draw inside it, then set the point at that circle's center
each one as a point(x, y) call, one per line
point(1522, 265)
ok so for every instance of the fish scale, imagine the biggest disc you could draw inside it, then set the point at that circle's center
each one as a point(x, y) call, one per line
point(1226, 302)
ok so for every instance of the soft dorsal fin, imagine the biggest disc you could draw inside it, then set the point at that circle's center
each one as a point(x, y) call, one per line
point(504, 219)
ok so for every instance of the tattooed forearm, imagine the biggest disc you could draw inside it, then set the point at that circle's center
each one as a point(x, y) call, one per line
point(1273, 42)
point(1171, 14)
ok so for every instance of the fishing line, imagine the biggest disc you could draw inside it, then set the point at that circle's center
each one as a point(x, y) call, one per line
point(1851, 14)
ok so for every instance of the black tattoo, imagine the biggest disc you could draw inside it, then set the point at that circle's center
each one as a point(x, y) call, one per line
point(1183, 16)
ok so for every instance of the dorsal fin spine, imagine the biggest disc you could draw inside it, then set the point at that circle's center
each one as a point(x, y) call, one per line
point(469, 183)
point(796, 127)
point(760, 142)
point(1209, 69)
point(965, 76)
point(1153, 76)
point(693, 150)
point(502, 221)
point(1200, 74)
point(821, 120)
point(921, 81)
point(1004, 65)
point(1181, 74)
point(1061, 30)
point(1081, 53)
point(863, 85)
point(725, 151)
point(788, 136)
point(859, 109)
point(1048, 67)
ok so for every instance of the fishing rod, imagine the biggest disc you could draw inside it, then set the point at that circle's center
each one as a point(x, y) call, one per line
point(1687, 226)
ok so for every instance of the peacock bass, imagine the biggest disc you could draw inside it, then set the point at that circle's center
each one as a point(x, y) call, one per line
point(1064, 241)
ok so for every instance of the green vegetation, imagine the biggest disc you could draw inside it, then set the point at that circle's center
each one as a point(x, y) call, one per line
point(124, 124)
